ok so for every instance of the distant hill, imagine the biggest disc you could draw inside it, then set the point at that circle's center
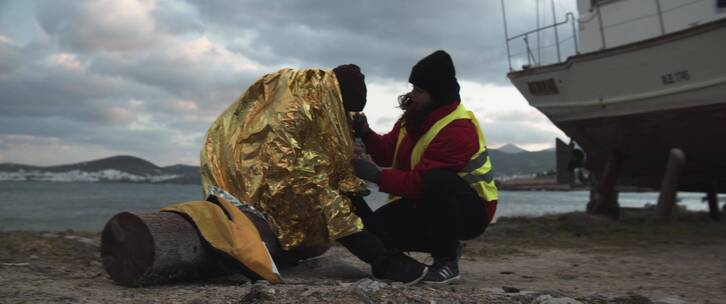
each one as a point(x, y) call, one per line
point(122, 168)
point(129, 164)
point(521, 163)
point(511, 148)
point(133, 169)
point(181, 169)
point(187, 174)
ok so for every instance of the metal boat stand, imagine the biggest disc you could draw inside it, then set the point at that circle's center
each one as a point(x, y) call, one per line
point(712, 198)
point(667, 197)
point(669, 187)
point(603, 196)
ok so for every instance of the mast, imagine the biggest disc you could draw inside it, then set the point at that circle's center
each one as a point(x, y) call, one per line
point(539, 37)
point(557, 37)
point(506, 35)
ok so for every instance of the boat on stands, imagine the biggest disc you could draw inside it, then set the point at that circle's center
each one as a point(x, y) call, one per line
point(643, 78)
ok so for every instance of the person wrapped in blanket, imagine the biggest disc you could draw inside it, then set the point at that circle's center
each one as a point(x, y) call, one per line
point(283, 154)
point(440, 183)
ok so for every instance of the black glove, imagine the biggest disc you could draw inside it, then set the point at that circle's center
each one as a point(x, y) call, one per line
point(360, 125)
point(366, 170)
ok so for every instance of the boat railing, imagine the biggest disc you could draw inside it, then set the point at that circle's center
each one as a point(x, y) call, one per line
point(533, 60)
point(659, 13)
point(527, 50)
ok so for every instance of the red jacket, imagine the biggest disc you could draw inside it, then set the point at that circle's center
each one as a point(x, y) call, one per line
point(451, 149)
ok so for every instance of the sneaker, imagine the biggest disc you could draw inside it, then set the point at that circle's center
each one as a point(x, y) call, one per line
point(442, 271)
point(400, 268)
point(445, 270)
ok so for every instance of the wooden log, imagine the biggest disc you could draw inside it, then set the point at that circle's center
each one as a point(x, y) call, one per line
point(669, 187)
point(141, 249)
point(152, 248)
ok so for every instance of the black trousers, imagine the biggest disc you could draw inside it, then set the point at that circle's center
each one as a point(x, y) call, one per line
point(448, 211)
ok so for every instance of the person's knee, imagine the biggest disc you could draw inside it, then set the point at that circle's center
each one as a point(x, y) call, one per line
point(360, 206)
point(471, 233)
point(438, 180)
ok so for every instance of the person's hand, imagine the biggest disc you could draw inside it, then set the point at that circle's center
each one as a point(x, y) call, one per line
point(359, 149)
point(366, 170)
point(360, 125)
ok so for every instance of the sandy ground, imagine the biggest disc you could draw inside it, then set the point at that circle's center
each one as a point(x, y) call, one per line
point(552, 259)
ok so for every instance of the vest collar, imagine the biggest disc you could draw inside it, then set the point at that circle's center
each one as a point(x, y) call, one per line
point(433, 117)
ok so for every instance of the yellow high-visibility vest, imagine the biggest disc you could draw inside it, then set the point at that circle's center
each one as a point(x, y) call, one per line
point(478, 172)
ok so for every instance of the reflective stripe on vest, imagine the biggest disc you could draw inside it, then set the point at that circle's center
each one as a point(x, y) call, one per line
point(477, 172)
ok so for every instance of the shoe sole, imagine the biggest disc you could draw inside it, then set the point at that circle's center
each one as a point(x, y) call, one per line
point(426, 271)
point(444, 281)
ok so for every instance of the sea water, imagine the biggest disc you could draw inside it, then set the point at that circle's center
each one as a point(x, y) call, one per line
point(88, 206)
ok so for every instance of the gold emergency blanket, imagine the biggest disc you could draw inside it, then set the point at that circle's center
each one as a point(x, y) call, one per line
point(231, 232)
point(285, 147)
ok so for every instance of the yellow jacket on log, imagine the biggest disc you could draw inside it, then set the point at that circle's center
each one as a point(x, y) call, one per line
point(234, 235)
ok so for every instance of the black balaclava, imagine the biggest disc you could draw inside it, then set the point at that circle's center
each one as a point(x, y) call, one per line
point(435, 73)
point(352, 87)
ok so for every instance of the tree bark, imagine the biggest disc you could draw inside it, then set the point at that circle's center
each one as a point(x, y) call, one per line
point(152, 248)
point(141, 249)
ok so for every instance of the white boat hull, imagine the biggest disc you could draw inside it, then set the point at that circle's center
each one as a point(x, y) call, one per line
point(671, 72)
point(641, 100)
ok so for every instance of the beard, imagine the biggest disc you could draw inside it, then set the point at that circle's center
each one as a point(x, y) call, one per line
point(413, 117)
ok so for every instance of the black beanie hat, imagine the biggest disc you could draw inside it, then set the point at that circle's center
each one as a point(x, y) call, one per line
point(352, 87)
point(435, 73)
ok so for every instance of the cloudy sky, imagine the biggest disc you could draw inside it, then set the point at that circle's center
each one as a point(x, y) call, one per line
point(81, 80)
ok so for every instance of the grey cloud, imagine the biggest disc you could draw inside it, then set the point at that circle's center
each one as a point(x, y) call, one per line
point(47, 101)
point(386, 37)
point(176, 18)
point(127, 72)
point(11, 59)
point(7, 141)
point(39, 89)
point(91, 106)
point(79, 28)
point(184, 79)
point(150, 144)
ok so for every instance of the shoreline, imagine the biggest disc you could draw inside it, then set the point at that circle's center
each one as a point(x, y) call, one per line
point(572, 255)
point(549, 183)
